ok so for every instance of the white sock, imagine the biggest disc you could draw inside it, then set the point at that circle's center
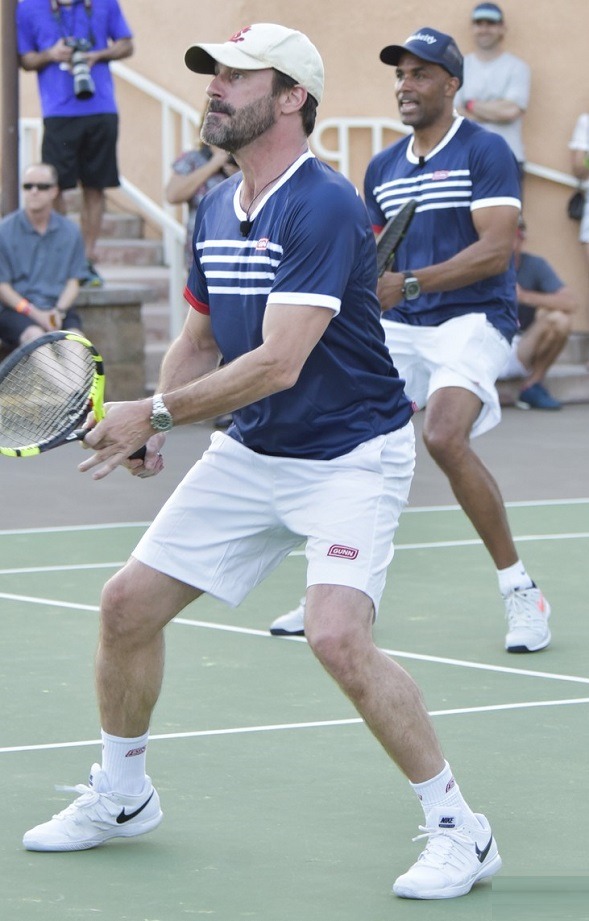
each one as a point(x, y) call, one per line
point(123, 762)
point(513, 578)
point(442, 792)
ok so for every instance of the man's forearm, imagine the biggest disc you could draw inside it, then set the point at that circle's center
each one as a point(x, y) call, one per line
point(68, 295)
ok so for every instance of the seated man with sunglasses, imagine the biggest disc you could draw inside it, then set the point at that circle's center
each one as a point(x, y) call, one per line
point(41, 263)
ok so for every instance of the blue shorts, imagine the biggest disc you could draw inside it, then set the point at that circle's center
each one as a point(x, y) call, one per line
point(13, 324)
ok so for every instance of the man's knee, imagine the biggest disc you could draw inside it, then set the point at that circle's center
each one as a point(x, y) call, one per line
point(118, 608)
point(338, 640)
point(445, 443)
point(30, 334)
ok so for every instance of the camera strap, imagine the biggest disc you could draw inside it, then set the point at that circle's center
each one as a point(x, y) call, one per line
point(57, 11)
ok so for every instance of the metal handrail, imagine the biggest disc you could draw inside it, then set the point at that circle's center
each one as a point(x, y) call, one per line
point(160, 213)
point(377, 126)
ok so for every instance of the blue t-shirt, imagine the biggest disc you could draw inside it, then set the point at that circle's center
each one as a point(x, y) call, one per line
point(535, 274)
point(38, 28)
point(311, 244)
point(470, 168)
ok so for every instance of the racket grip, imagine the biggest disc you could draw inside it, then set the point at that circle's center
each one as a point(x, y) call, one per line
point(139, 454)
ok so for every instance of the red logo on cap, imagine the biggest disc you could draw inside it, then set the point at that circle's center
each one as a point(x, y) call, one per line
point(239, 36)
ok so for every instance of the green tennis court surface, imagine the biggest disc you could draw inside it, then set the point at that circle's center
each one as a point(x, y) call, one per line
point(278, 804)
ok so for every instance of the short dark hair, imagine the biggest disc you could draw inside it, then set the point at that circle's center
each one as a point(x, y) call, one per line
point(282, 82)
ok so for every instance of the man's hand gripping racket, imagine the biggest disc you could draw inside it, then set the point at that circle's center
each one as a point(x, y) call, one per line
point(47, 389)
point(392, 235)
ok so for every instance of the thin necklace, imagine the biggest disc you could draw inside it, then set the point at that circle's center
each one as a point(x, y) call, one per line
point(249, 208)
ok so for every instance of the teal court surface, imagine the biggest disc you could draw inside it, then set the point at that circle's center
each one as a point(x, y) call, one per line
point(278, 804)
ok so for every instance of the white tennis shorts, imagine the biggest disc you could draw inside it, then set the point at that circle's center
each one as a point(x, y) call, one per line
point(514, 367)
point(238, 514)
point(463, 352)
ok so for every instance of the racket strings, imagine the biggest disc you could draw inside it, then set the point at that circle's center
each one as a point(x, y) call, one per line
point(46, 393)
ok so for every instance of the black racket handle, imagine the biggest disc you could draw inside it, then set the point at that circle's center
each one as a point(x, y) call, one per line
point(80, 434)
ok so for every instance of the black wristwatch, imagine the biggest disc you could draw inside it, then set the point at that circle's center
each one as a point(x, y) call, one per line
point(411, 288)
point(161, 417)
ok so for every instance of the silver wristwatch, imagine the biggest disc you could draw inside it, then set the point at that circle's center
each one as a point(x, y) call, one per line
point(161, 418)
point(411, 287)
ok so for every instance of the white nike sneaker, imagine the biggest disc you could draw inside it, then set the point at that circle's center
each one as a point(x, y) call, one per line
point(290, 624)
point(527, 612)
point(457, 855)
point(96, 816)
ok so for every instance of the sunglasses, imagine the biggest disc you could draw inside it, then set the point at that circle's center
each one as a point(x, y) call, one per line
point(42, 186)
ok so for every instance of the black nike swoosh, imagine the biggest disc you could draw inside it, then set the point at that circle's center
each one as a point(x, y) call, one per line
point(480, 854)
point(127, 816)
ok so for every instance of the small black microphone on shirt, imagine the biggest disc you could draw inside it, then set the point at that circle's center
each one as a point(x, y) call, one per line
point(245, 227)
point(421, 162)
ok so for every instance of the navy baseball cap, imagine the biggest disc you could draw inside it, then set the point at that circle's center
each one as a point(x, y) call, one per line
point(429, 45)
point(488, 11)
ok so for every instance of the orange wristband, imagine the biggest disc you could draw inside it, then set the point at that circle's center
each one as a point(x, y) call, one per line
point(23, 306)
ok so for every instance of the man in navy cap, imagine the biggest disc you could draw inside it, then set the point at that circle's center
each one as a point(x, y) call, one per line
point(496, 88)
point(449, 308)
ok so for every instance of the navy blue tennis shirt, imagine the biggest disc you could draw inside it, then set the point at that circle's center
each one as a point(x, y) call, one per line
point(311, 243)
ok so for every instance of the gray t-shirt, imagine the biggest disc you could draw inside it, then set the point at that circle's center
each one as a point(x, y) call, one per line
point(39, 265)
point(506, 77)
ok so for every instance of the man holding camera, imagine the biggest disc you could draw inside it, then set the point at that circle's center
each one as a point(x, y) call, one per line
point(69, 43)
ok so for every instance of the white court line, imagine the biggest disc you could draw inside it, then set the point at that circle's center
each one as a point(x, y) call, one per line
point(250, 631)
point(417, 509)
point(281, 727)
point(429, 545)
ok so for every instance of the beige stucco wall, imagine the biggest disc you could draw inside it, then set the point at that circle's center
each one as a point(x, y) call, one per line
point(552, 37)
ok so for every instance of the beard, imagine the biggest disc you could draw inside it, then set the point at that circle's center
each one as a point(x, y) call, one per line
point(241, 128)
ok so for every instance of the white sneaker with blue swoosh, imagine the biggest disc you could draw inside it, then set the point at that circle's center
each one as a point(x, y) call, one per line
point(458, 854)
point(96, 816)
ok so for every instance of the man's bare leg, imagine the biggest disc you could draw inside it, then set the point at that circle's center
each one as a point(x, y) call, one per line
point(449, 417)
point(136, 605)
point(338, 626)
point(93, 206)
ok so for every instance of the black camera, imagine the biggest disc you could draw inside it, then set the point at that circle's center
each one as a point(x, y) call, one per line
point(83, 83)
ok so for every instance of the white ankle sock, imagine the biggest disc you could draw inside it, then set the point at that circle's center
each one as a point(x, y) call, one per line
point(512, 578)
point(442, 792)
point(123, 762)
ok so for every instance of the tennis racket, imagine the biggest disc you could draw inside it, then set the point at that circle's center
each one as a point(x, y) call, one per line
point(391, 236)
point(47, 388)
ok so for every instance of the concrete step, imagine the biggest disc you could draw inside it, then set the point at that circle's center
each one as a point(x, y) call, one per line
point(129, 252)
point(156, 277)
point(117, 226)
point(155, 317)
point(576, 351)
point(569, 383)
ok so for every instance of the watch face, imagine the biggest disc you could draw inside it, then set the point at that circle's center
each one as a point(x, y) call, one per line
point(161, 418)
point(161, 422)
point(411, 289)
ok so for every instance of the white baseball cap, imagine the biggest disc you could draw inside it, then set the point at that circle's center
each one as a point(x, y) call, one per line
point(263, 45)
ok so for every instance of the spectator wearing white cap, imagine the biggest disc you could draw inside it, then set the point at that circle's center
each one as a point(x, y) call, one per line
point(496, 87)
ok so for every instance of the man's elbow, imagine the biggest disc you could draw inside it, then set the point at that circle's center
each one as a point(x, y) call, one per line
point(282, 374)
point(26, 62)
